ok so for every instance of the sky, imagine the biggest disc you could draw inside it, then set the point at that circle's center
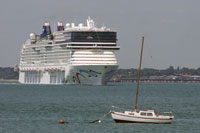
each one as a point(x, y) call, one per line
point(171, 28)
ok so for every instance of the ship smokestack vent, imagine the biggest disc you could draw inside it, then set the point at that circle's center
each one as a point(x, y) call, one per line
point(60, 26)
point(46, 31)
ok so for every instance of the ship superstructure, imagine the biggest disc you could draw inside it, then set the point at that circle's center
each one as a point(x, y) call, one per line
point(72, 54)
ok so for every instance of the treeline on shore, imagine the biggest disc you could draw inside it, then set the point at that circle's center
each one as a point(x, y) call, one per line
point(154, 75)
point(146, 72)
point(10, 73)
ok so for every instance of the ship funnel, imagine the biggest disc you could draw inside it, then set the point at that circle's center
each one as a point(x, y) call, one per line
point(60, 26)
point(46, 30)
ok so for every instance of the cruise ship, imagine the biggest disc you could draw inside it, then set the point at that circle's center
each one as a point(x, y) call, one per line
point(72, 54)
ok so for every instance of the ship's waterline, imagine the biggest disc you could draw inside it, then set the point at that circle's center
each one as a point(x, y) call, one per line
point(71, 55)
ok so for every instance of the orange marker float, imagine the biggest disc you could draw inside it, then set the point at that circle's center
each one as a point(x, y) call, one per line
point(62, 122)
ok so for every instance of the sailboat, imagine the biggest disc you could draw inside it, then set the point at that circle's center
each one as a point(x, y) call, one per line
point(136, 116)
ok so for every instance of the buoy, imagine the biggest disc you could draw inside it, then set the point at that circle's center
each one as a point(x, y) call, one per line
point(61, 122)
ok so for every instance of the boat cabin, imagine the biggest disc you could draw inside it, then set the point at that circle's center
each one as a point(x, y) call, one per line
point(141, 113)
point(147, 113)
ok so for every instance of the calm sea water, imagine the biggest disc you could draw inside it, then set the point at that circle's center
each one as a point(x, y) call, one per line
point(38, 108)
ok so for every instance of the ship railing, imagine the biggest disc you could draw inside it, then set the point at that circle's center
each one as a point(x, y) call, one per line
point(96, 47)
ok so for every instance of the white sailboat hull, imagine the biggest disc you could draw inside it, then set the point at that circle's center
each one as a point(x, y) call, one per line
point(119, 117)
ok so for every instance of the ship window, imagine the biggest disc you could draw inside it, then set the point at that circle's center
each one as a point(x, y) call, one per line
point(143, 114)
point(149, 114)
point(94, 36)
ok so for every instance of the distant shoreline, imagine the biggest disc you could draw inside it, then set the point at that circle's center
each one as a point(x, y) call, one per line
point(156, 81)
point(9, 80)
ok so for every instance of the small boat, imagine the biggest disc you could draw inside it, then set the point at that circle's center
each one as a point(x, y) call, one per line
point(148, 116)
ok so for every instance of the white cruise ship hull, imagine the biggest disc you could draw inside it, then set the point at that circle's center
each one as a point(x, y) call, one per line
point(91, 75)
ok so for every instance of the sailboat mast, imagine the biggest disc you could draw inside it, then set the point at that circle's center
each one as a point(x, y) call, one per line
point(139, 70)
